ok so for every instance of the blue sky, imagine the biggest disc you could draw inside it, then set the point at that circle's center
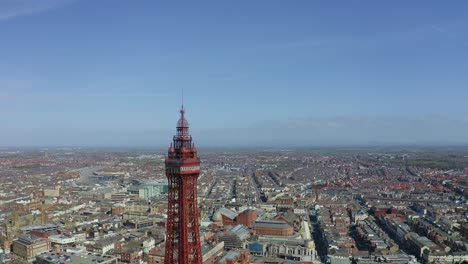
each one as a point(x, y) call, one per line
point(266, 73)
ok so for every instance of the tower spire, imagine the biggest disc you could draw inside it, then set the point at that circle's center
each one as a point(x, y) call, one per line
point(182, 108)
point(184, 122)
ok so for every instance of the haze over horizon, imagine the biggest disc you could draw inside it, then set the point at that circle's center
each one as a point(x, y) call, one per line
point(254, 73)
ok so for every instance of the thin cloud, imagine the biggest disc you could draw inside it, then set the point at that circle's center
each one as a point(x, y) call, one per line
point(15, 97)
point(438, 29)
point(15, 8)
point(288, 45)
point(336, 131)
point(109, 95)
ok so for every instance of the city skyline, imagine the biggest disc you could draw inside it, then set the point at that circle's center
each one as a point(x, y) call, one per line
point(82, 73)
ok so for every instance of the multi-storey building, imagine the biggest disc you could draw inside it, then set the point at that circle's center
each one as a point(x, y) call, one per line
point(28, 247)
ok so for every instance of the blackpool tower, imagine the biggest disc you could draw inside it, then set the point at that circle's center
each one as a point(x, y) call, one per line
point(182, 171)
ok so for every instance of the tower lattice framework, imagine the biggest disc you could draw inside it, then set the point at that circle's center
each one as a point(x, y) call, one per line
point(182, 171)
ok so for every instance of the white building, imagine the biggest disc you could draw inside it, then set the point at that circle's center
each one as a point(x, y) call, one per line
point(62, 239)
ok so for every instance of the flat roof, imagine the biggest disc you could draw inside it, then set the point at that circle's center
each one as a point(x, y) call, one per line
point(75, 257)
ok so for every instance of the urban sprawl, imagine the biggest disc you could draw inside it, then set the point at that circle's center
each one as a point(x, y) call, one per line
point(78, 205)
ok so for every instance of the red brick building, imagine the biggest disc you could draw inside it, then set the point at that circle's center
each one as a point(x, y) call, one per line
point(128, 255)
point(273, 228)
point(156, 255)
point(118, 210)
point(247, 218)
point(41, 234)
point(288, 217)
point(229, 217)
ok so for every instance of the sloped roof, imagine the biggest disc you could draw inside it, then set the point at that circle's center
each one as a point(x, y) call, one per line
point(288, 216)
point(241, 231)
point(227, 212)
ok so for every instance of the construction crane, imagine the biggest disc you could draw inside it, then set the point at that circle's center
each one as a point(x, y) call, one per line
point(40, 205)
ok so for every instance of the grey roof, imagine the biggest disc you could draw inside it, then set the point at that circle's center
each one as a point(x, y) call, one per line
point(229, 255)
point(39, 227)
point(31, 239)
point(227, 212)
point(241, 231)
point(271, 224)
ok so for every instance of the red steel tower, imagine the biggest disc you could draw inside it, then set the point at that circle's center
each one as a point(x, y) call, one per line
point(182, 171)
